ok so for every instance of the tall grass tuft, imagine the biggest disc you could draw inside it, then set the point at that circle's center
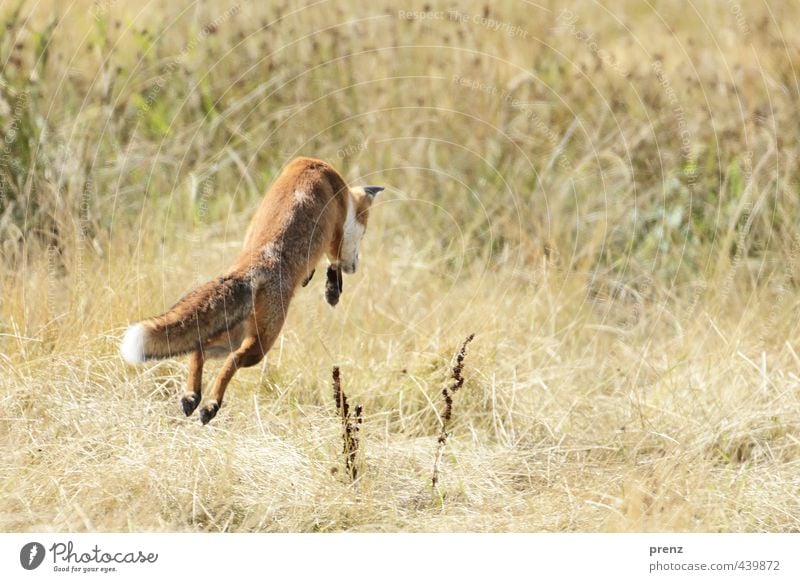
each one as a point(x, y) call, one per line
point(447, 413)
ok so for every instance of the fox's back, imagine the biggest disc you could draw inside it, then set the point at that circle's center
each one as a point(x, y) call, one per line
point(295, 216)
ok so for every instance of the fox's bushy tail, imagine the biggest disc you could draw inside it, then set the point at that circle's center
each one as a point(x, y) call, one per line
point(207, 311)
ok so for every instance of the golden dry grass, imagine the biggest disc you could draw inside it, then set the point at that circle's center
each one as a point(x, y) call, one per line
point(635, 365)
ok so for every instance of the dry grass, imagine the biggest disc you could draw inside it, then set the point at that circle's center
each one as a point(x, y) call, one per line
point(635, 366)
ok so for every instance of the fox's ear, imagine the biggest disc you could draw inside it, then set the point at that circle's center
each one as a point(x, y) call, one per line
point(372, 191)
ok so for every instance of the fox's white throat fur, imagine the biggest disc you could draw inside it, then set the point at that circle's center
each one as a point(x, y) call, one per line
point(353, 233)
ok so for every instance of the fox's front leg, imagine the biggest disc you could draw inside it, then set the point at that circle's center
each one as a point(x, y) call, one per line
point(191, 399)
point(333, 284)
point(337, 256)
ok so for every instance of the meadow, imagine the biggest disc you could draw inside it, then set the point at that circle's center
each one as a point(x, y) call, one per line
point(607, 197)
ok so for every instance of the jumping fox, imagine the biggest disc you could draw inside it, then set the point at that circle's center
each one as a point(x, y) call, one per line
point(308, 212)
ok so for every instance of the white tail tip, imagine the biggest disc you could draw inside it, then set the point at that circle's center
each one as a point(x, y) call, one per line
point(132, 348)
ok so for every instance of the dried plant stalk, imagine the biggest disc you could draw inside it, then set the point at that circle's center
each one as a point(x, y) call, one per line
point(350, 425)
point(447, 392)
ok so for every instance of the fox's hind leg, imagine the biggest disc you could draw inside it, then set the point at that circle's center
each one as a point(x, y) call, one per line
point(191, 399)
point(260, 333)
point(249, 354)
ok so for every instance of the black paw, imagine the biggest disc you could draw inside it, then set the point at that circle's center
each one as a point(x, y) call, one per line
point(189, 403)
point(308, 279)
point(333, 285)
point(208, 412)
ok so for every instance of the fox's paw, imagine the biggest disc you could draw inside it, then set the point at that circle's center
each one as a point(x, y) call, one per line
point(333, 285)
point(332, 296)
point(189, 402)
point(209, 411)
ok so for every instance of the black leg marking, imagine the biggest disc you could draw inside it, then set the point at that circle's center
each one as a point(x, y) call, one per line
point(208, 412)
point(189, 403)
point(333, 285)
point(308, 279)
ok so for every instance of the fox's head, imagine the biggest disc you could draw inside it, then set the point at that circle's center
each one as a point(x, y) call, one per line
point(358, 205)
